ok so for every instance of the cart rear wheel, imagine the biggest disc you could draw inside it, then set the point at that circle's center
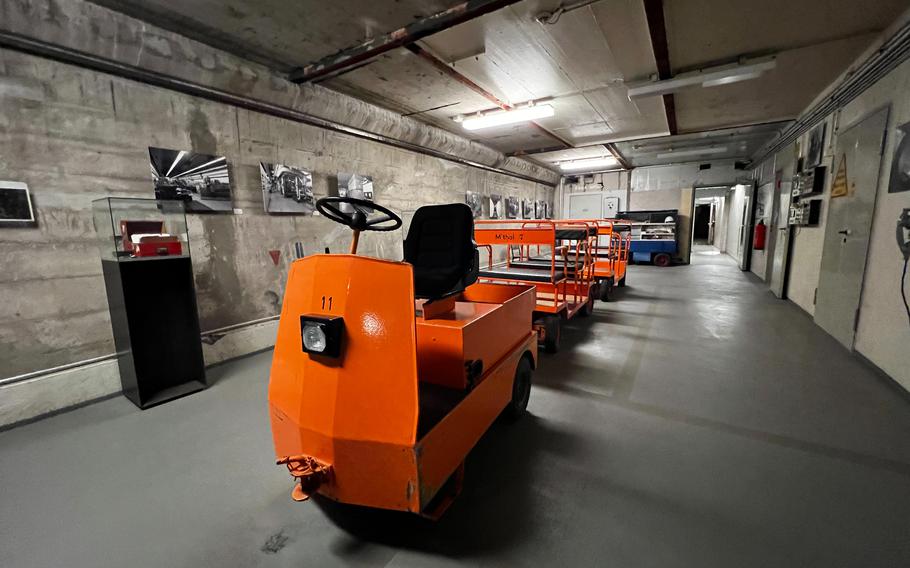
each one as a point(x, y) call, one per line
point(588, 308)
point(622, 282)
point(521, 390)
point(551, 327)
point(661, 259)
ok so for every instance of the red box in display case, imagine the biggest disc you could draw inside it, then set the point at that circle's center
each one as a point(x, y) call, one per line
point(157, 246)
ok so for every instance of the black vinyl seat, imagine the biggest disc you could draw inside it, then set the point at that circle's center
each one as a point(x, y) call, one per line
point(440, 246)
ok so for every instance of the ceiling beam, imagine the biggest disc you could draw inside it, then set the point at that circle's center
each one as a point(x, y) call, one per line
point(457, 14)
point(654, 11)
point(611, 147)
point(450, 71)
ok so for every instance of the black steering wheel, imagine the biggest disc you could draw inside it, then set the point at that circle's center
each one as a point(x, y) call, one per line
point(359, 216)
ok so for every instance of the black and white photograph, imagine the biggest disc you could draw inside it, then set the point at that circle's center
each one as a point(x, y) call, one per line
point(527, 209)
point(15, 204)
point(816, 146)
point(202, 181)
point(513, 207)
point(355, 185)
point(900, 161)
point(286, 189)
point(543, 210)
point(496, 211)
point(475, 202)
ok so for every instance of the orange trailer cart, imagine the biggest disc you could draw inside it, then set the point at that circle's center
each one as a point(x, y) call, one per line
point(385, 374)
point(565, 287)
point(609, 251)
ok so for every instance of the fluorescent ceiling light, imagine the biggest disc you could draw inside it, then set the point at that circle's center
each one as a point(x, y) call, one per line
point(589, 163)
point(693, 152)
point(522, 114)
point(710, 77)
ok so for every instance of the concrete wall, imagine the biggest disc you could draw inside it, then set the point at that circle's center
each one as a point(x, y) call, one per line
point(610, 184)
point(883, 332)
point(88, 137)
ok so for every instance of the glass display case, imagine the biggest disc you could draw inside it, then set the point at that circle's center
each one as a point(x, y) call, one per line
point(148, 275)
point(135, 228)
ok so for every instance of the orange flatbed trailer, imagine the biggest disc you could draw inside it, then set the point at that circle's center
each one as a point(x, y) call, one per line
point(382, 408)
point(564, 288)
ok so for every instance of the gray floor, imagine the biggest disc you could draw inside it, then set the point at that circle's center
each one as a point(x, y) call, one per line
point(697, 422)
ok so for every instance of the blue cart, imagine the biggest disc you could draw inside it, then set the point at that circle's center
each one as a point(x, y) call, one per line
point(659, 252)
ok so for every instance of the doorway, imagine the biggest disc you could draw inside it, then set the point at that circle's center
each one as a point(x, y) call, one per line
point(702, 233)
point(709, 220)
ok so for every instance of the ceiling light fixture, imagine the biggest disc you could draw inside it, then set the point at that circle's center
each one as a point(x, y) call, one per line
point(692, 152)
point(709, 77)
point(522, 114)
point(589, 163)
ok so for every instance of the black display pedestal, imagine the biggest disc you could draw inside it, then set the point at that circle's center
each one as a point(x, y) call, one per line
point(156, 328)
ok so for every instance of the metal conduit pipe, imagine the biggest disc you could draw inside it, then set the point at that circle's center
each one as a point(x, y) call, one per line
point(47, 50)
point(892, 53)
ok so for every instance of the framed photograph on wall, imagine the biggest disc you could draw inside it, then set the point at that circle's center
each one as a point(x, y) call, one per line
point(496, 211)
point(202, 181)
point(900, 161)
point(816, 146)
point(513, 207)
point(357, 186)
point(527, 209)
point(286, 189)
point(474, 201)
point(15, 205)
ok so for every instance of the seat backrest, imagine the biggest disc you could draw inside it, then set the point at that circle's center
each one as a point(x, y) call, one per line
point(440, 246)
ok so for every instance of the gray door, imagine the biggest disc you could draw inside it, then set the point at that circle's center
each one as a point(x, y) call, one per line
point(745, 231)
point(847, 230)
point(779, 265)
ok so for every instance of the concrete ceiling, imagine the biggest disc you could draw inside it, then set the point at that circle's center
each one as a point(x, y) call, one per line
point(580, 63)
point(279, 33)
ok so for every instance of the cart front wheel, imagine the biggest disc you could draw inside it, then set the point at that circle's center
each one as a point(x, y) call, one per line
point(662, 260)
point(521, 390)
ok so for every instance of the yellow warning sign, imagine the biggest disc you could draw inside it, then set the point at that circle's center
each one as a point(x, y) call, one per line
point(839, 187)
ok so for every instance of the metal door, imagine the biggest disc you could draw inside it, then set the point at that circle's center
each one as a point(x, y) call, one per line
point(745, 231)
point(780, 259)
point(586, 205)
point(847, 230)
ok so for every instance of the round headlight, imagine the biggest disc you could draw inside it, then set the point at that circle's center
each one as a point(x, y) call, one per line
point(314, 337)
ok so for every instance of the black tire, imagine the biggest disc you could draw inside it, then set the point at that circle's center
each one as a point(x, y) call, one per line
point(521, 390)
point(552, 327)
point(588, 308)
point(622, 282)
point(661, 259)
point(606, 290)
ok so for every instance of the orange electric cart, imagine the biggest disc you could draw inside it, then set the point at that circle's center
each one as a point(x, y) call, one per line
point(385, 374)
point(554, 256)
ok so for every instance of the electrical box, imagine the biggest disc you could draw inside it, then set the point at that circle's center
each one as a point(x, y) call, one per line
point(810, 182)
point(805, 213)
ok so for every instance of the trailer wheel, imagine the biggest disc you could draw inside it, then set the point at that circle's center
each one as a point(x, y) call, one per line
point(661, 259)
point(606, 290)
point(521, 390)
point(622, 282)
point(551, 327)
point(588, 308)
